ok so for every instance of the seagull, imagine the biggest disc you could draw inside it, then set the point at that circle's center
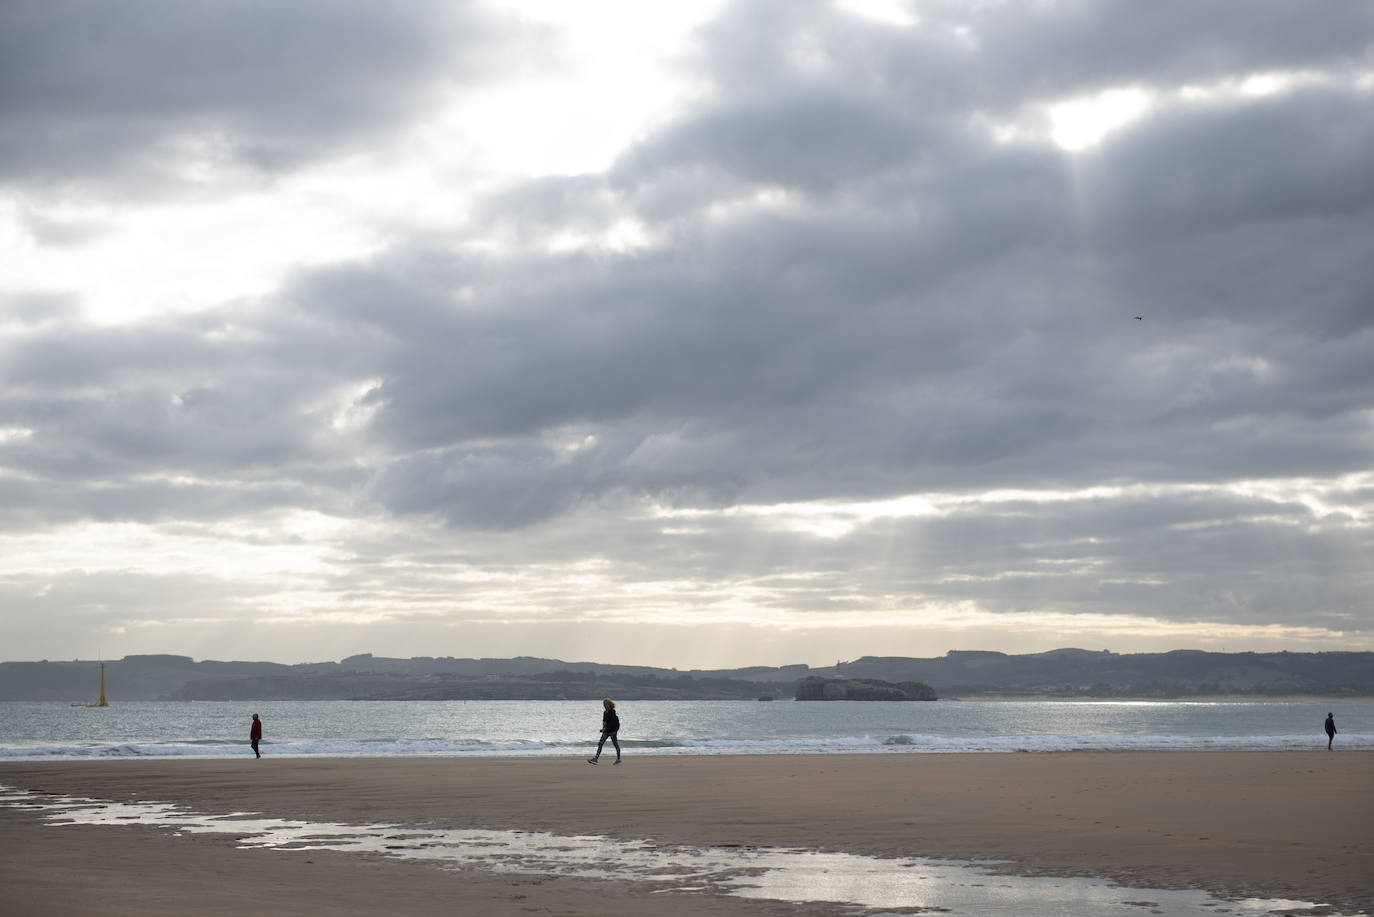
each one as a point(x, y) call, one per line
point(1139, 318)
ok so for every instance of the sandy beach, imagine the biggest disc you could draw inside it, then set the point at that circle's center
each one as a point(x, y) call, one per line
point(1269, 824)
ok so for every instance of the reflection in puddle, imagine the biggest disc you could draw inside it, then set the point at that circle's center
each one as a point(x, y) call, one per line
point(868, 884)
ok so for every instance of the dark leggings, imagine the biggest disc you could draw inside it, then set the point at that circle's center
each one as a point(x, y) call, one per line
point(602, 743)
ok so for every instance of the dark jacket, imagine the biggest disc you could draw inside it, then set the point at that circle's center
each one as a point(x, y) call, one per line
point(610, 722)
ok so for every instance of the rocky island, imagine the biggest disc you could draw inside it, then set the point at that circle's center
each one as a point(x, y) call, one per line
point(817, 688)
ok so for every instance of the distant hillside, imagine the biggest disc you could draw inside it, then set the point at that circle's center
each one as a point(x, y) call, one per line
point(1083, 673)
point(959, 673)
point(557, 685)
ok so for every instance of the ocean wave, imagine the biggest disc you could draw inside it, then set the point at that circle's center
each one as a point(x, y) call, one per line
point(882, 744)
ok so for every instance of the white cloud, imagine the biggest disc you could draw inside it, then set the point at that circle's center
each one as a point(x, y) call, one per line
point(703, 334)
point(1077, 124)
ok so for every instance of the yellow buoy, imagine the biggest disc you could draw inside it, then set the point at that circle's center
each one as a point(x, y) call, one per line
point(102, 702)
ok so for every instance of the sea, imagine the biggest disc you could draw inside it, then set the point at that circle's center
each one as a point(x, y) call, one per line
point(340, 729)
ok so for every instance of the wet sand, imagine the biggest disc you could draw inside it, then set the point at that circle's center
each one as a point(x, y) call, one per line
point(1296, 825)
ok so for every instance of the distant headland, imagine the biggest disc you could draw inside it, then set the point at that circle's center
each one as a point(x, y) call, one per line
point(1059, 673)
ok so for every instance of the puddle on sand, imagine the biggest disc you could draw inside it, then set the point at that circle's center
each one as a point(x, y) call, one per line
point(863, 884)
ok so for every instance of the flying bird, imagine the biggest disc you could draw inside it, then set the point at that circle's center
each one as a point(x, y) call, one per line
point(1139, 318)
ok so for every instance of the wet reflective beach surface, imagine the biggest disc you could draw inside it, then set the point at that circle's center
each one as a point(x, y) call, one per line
point(855, 884)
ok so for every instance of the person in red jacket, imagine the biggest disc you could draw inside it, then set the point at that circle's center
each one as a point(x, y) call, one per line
point(255, 735)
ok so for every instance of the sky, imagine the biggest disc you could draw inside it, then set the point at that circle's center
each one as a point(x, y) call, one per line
point(694, 335)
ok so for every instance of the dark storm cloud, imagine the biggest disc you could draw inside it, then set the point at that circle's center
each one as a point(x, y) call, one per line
point(199, 417)
point(1081, 46)
point(959, 316)
point(764, 385)
point(62, 500)
point(974, 57)
point(986, 337)
point(38, 308)
point(494, 488)
point(1208, 166)
point(809, 136)
point(97, 92)
point(852, 291)
point(1172, 555)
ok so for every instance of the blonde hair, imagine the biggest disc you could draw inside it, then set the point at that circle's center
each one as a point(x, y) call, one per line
point(608, 704)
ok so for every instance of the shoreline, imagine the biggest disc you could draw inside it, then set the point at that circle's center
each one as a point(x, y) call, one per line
point(1157, 699)
point(1273, 824)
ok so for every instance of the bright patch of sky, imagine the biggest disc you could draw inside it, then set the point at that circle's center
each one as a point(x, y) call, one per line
point(615, 75)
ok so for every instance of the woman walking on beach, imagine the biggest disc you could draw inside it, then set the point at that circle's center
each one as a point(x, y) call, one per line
point(1330, 730)
point(255, 735)
point(610, 725)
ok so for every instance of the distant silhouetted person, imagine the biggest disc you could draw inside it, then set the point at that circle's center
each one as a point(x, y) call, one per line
point(610, 725)
point(1330, 730)
point(255, 735)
